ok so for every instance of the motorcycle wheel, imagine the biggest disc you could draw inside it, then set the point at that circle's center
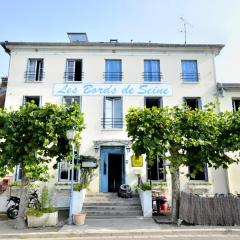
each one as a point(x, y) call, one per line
point(12, 212)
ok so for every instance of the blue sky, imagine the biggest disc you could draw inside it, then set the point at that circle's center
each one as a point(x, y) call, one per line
point(213, 21)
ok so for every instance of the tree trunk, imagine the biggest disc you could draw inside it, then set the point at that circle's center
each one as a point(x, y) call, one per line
point(20, 221)
point(175, 195)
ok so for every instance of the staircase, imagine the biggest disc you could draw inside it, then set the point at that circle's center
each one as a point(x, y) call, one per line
point(109, 205)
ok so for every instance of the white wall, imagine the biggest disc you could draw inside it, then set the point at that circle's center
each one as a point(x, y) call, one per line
point(93, 68)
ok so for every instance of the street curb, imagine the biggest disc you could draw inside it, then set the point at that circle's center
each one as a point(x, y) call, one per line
point(138, 232)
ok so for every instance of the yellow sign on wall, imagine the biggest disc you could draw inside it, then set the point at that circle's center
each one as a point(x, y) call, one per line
point(137, 161)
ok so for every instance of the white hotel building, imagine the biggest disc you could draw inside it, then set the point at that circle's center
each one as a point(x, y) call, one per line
point(106, 79)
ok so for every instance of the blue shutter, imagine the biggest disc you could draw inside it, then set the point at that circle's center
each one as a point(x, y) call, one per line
point(113, 70)
point(189, 71)
point(151, 70)
point(117, 113)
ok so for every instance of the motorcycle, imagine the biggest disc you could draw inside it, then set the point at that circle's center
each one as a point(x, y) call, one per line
point(33, 202)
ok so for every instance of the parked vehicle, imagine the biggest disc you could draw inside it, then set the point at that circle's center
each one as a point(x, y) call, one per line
point(33, 202)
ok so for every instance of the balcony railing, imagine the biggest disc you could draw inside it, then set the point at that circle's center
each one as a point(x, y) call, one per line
point(112, 76)
point(152, 76)
point(32, 76)
point(112, 122)
point(72, 76)
point(190, 77)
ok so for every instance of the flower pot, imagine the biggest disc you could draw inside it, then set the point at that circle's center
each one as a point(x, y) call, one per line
point(46, 220)
point(79, 218)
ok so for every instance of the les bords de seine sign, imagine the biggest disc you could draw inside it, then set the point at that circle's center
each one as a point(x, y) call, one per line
point(112, 89)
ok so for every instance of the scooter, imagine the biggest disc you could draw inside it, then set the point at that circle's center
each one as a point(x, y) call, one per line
point(33, 202)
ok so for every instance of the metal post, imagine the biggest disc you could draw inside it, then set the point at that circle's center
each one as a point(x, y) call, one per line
point(71, 193)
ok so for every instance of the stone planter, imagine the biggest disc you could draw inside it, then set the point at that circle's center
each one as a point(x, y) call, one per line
point(146, 202)
point(78, 200)
point(46, 220)
point(79, 218)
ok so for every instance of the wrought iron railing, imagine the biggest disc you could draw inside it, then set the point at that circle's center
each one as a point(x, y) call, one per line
point(112, 122)
point(113, 76)
point(34, 75)
point(72, 76)
point(190, 77)
point(152, 76)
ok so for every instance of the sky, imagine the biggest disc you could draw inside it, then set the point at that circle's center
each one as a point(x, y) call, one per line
point(212, 22)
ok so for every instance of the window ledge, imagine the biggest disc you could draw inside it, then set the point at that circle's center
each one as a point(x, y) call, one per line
point(154, 82)
point(78, 82)
point(112, 82)
point(62, 187)
point(190, 82)
point(112, 129)
point(29, 81)
point(199, 185)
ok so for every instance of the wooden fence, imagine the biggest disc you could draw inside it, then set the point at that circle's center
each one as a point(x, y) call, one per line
point(217, 210)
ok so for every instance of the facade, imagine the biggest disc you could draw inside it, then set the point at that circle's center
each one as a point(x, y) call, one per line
point(106, 79)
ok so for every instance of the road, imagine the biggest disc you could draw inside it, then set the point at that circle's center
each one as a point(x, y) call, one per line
point(224, 236)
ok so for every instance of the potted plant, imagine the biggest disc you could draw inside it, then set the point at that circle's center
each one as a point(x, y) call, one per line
point(145, 194)
point(79, 193)
point(44, 215)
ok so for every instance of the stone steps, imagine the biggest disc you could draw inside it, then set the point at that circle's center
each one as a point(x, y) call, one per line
point(109, 205)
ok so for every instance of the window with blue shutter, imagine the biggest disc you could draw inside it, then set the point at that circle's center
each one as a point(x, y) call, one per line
point(152, 71)
point(112, 112)
point(113, 70)
point(190, 71)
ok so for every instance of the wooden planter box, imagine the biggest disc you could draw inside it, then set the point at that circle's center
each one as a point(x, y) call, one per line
point(46, 220)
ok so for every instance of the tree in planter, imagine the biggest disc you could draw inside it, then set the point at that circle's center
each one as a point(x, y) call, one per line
point(185, 137)
point(32, 136)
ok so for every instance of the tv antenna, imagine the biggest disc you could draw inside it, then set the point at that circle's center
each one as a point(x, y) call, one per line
point(185, 24)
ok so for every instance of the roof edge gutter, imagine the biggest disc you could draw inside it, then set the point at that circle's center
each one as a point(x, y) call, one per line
point(7, 50)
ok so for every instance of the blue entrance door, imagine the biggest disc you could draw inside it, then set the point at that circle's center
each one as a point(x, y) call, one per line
point(112, 168)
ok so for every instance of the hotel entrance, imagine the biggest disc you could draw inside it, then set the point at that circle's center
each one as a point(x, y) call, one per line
point(112, 169)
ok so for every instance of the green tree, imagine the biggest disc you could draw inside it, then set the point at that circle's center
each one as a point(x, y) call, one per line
point(33, 136)
point(185, 137)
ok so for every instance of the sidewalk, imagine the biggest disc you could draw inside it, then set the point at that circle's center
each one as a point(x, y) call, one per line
point(110, 227)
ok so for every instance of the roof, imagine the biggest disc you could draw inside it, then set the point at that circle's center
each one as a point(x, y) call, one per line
point(216, 47)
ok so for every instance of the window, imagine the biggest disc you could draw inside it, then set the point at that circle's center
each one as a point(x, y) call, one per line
point(69, 100)
point(193, 103)
point(113, 70)
point(236, 104)
point(190, 71)
point(199, 175)
point(35, 99)
point(153, 102)
point(152, 71)
point(65, 172)
point(112, 112)
point(18, 175)
point(156, 171)
point(74, 70)
point(34, 70)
